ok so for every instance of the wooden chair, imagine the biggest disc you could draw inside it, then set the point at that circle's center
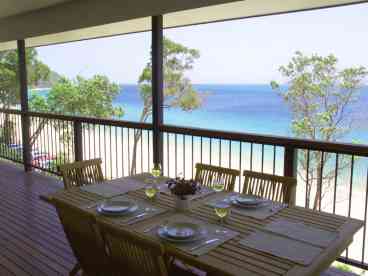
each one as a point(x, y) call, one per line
point(81, 173)
point(273, 187)
point(205, 174)
point(132, 254)
point(84, 238)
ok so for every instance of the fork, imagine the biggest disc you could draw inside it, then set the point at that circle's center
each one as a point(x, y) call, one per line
point(149, 229)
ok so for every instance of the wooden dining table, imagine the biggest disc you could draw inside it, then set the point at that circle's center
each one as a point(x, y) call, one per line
point(229, 258)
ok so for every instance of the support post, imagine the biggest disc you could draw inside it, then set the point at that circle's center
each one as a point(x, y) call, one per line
point(157, 88)
point(291, 167)
point(78, 142)
point(22, 72)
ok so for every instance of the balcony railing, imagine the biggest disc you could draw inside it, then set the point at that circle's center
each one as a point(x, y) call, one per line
point(332, 177)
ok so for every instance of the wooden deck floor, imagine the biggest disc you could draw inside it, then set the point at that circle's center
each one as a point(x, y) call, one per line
point(32, 240)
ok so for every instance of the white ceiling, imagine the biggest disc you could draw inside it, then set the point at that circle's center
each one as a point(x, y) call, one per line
point(84, 19)
point(15, 7)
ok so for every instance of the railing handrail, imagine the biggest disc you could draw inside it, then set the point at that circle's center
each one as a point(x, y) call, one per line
point(81, 119)
point(273, 140)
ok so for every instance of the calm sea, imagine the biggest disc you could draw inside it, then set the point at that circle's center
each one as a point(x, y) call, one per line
point(238, 107)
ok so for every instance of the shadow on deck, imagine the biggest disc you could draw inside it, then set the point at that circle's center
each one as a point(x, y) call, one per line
point(31, 238)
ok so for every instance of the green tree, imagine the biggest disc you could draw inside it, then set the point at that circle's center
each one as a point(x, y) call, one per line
point(80, 97)
point(178, 90)
point(9, 83)
point(320, 97)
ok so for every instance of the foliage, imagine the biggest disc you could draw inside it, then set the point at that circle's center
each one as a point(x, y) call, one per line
point(178, 90)
point(9, 84)
point(9, 76)
point(344, 267)
point(84, 97)
point(320, 97)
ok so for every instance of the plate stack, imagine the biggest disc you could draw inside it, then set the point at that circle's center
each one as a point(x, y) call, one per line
point(181, 232)
point(248, 201)
point(117, 207)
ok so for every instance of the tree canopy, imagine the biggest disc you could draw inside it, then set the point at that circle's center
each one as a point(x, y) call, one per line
point(178, 90)
point(320, 95)
point(9, 79)
point(84, 97)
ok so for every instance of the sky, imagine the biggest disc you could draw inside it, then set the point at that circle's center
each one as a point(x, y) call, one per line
point(239, 51)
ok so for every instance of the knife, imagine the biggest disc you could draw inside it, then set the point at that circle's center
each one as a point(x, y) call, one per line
point(136, 217)
point(203, 244)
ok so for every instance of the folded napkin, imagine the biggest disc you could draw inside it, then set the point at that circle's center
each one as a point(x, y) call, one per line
point(279, 246)
point(302, 232)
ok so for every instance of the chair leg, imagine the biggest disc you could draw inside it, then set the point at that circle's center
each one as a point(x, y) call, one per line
point(75, 270)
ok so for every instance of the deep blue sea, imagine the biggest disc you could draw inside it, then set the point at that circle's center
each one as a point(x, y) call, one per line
point(252, 108)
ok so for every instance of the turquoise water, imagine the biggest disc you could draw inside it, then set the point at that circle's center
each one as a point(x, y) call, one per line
point(253, 108)
point(243, 108)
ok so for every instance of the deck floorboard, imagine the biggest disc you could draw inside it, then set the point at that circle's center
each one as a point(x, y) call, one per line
point(31, 237)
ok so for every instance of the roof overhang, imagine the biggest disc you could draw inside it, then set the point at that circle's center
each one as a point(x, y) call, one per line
point(85, 19)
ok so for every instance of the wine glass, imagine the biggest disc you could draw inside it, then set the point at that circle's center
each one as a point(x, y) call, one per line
point(218, 185)
point(151, 188)
point(151, 191)
point(156, 171)
point(222, 210)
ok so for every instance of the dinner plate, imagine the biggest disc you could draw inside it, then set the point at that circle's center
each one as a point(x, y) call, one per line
point(247, 201)
point(117, 207)
point(181, 232)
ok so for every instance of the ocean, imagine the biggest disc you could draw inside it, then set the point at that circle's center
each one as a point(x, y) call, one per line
point(254, 108)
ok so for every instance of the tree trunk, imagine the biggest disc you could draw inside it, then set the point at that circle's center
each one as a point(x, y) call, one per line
point(37, 132)
point(317, 198)
point(137, 137)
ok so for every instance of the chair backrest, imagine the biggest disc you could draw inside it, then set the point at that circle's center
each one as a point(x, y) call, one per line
point(132, 254)
point(273, 187)
point(81, 173)
point(84, 238)
point(206, 174)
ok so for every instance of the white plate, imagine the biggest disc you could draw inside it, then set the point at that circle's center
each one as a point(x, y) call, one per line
point(177, 234)
point(248, 200)
point(117, 207)
point(260, 203)
point(182, 230)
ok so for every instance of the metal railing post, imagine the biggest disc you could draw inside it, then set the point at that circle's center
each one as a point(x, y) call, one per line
point(157, 88)
point(22, 72)
point(78, 141)
point(291, 166)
